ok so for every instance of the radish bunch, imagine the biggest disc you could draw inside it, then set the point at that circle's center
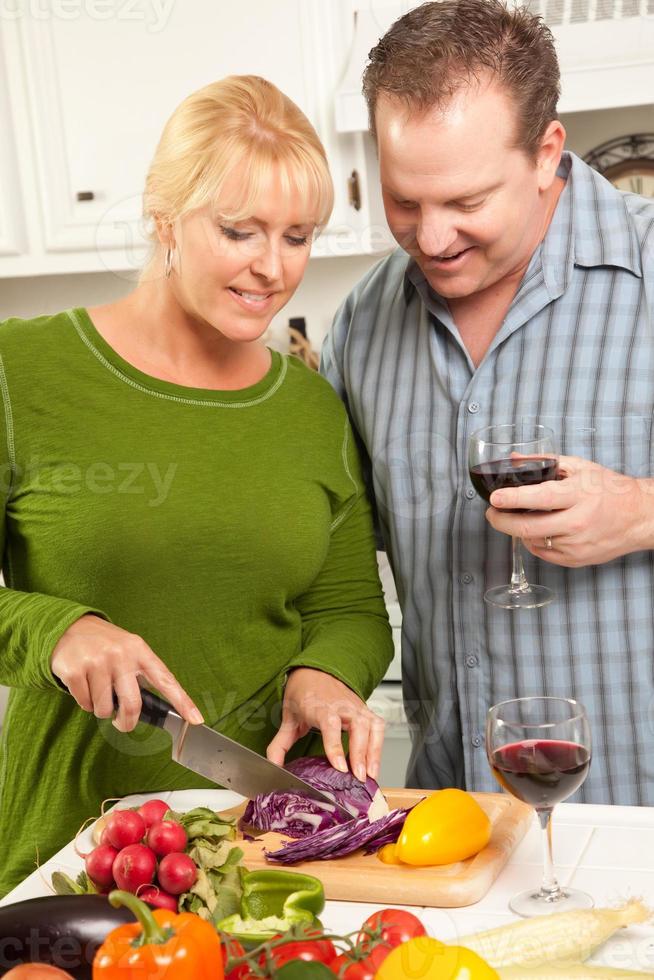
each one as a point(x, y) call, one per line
point(142, 852)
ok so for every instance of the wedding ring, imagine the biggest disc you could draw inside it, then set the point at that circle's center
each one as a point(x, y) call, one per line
point(548, 543)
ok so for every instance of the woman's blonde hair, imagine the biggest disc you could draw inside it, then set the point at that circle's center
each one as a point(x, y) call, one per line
point(244, 122)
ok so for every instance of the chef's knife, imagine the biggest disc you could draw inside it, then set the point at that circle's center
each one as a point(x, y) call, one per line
point(221, 759)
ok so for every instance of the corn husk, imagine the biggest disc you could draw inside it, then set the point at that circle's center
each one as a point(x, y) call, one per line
point(564, 937)
point(583, 971)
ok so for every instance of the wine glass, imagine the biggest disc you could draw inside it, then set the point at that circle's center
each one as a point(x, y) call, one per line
point(539, 750)
point(515, 455)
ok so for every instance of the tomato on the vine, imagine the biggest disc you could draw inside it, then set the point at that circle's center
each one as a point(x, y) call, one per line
point(231, 949)
point(311, 951)
point(360, 969)
point(379, 935)
point(394, 926)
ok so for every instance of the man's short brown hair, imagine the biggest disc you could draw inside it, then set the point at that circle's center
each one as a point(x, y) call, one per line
point(433, 51)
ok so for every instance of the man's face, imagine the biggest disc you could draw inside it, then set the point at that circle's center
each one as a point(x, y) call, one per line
point(459, 198)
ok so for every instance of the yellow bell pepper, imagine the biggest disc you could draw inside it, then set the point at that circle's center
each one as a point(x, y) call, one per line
point(429, 959)
point(445, 827)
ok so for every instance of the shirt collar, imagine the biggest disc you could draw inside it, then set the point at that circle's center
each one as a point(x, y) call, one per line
point(590, 227)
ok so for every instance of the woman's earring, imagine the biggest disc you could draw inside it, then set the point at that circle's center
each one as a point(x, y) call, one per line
point(168, 262)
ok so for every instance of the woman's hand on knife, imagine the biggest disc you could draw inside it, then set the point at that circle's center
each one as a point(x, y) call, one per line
point(94, 658)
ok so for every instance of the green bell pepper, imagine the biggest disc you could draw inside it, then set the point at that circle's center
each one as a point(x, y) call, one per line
point(273, 901)
point(281, 893)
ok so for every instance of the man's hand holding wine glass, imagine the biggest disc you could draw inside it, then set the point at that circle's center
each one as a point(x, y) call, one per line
point(589, 515)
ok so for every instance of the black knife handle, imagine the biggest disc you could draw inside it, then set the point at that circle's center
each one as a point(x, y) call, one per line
point(154, 710)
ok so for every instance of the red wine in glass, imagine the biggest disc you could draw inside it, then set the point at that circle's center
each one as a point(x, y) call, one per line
point(541, 772)
point(517, 454)
point(499, 473)
point(539, 749)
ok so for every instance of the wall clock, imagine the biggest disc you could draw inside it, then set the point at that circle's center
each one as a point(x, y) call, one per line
point(628, 162)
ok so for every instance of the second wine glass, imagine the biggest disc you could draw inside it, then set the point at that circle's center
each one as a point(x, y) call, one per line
point(539, 750)
point(513, 455)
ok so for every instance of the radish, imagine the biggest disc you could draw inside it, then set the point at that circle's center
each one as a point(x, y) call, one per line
point(124, 827)
point(166, 837)
point(99, 864)
point(177, 873)
point(157, 898)
point(153, 811)
point(134, 866)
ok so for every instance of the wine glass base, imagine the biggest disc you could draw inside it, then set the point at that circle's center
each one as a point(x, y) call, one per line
point(532, 902)
point(508, 598)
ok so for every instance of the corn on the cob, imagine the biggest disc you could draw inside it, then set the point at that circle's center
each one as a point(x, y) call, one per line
point(582, 971)
point(562, 936)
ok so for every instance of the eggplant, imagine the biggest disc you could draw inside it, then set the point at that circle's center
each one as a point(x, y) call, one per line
point(61, 930)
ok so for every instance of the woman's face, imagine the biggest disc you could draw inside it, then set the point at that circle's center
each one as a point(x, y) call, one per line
point(235, 276)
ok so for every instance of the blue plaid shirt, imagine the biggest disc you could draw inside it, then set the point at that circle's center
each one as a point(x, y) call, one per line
point(575, 352)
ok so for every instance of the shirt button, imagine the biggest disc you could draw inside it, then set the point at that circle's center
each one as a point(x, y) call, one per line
point(477, 740)
point(470, 493)
point(466, 578)
point(473, 408)
point(472, 661)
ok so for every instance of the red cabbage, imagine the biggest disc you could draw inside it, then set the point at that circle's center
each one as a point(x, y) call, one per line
point(342, 839)
point(357, 797)
point(299, 816)
point(290, 813)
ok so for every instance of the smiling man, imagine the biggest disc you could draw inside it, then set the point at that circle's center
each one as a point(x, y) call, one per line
point(522, 290)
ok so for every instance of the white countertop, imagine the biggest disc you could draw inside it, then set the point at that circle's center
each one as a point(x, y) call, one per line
point(606, 850)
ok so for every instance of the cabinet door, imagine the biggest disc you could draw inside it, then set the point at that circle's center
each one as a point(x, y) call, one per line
point(358, 225)
point(101, 84)
point(12, 234)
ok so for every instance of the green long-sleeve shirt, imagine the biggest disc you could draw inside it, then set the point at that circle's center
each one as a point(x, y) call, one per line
point(229, 529)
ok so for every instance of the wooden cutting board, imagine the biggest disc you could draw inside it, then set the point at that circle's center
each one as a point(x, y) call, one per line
point(363, 878)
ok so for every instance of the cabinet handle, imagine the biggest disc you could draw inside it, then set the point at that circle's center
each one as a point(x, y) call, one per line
point(354, 190)
point(85, 196)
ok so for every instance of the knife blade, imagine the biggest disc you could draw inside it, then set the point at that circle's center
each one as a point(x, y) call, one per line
point(221, 759)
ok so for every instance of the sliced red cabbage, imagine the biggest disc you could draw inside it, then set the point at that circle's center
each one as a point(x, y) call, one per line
point(290, 813)
point(357, 797)
point(388, 836)
point(341, 839)
point(299, 816)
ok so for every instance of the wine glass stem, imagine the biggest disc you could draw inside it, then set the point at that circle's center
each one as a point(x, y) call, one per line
point(519, 581)
point(550, 886)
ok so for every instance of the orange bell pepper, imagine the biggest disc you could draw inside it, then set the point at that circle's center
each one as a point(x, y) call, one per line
point(161, 945)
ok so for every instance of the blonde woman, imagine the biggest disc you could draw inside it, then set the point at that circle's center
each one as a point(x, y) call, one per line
point(183, 507)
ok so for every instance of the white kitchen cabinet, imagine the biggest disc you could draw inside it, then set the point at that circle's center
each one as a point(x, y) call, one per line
point(12, 228)
point(605, 50)
point(99, 79)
